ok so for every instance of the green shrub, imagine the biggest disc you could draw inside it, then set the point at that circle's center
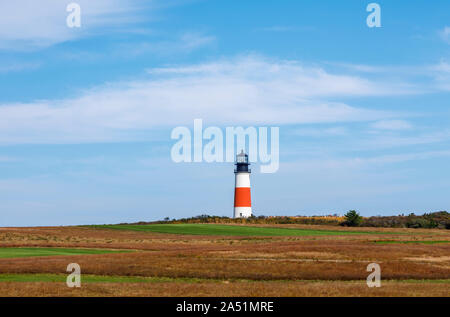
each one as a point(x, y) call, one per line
point(352, 219)
point(422, 223)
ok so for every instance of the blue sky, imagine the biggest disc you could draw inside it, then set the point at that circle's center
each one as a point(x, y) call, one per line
point(86, 114)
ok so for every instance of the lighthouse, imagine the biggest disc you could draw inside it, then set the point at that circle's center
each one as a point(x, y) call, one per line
point(242, 197)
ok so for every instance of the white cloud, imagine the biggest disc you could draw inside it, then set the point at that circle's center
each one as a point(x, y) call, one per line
point(185, 43)
point(389, 159)
point(363, 68)
point(17, 67)
point(441, 74)
point(445, 34)
point(285, 28)
point(31, 24)
point(442, 67)
point(4, 159)
point(389, 141)
point(243, 91)
point(392, 125)
point(351, 163)
point(290, 76)
point(193, 40)
point(325, 132)
point(429, 78)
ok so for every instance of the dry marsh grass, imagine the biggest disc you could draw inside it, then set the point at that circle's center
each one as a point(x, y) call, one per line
point(269, 261)
point(228, 289)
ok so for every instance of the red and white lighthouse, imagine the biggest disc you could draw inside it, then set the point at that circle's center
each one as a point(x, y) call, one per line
point(242, 197)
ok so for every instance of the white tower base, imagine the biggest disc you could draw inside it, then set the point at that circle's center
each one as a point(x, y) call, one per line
point(242, 212)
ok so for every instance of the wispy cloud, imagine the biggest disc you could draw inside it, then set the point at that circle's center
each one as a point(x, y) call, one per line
point(363, 68)
point(442, 67)
point(30, 24)
point(317, 132)
point(391, 125)
point(187, 42)
point(395, 141)
point(245, 90)
point(4, 159)
point(441, 73)
point(350, 163)
point(18, 67)
point(428, 78)
point(285, 28)
point(445, 34)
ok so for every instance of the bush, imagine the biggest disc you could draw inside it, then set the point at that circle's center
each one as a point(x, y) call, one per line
point(352, 219)
point(440, 219)
point(422, 223)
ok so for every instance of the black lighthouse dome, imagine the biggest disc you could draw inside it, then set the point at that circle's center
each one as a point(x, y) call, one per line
point(242, 163)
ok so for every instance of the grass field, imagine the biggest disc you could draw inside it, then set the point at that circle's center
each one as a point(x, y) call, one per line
point(224, 260)
point(228, 230)
point(30, 252)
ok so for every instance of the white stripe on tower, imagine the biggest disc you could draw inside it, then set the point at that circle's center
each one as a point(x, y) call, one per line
point(242, 180)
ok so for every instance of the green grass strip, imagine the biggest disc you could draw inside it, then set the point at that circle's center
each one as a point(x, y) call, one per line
point(87, 278)
point(230, 230)
point(30, 252)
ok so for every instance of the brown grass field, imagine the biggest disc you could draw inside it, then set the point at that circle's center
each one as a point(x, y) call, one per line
point(192, 265)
